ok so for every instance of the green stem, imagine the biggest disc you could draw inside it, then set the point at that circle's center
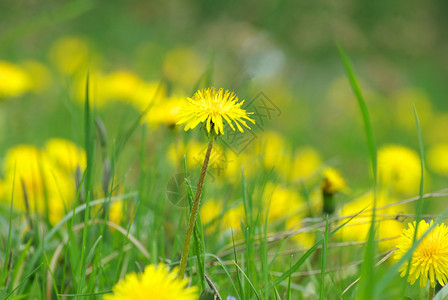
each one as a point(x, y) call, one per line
point(431, 292)
point(194, 210)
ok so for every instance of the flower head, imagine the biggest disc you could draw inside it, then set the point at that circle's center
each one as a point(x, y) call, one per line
point(332, 181)
point(399, 169)
point(156, 282)
point(212, 106)
point(430, 258)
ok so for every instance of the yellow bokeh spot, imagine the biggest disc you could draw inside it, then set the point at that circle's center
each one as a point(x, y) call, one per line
point(14, 80)
point(70, 55)
point(399, 169)
point(437, 158)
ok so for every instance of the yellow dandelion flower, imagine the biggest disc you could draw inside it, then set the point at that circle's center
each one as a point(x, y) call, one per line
point(156, 282)
point(389, 228)
point(70, 54)
point(430, 259)
point(210, 210)
point(282, 202)
point(399, 169)
point(332, 181)
point(306, 162)
point(437, 158)
point(212, 106)
point(14, 81)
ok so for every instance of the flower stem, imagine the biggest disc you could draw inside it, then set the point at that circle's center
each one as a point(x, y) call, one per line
point(431, 292)
point(194, 210)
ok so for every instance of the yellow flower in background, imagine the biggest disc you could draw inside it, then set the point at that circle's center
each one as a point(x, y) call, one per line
point(210, 210)
point(122, 85)
point(437, 158)
point(306, 163)
point(116, 212)
point(14, 80)
point(282, 202)
point(430, 259)
point(70, 54)
point(165, 112)
point(233, 217)
point(274, 151)
point(436, 129)
point(156, 282)
point(211, 107)
point(332, 181)
point(304, 239)
point(389, 227)
point(48, 176)
point(399, 169)
point(65, 154)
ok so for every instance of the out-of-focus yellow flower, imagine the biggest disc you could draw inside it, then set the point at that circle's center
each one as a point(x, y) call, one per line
point(210, 210)
point(399, 169)
point(437, 158)
point(306, 163)
point(430, 259)
point(48, 176)
point(436, 132)
point(212, 107)
point(70, 55)
point(122, 85)
point(65, 154)
point(282, 202)
point(388, 227)
point(39, 75)
point(156, 282)
point(332, 181)
point(274, 151)
point(233, 217)
point(304, 239)
point(165, 112)
point(183, 66)
point(14, 81)
point(116, 212)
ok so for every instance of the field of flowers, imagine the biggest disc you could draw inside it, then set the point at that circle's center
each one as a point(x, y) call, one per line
point(201, 150)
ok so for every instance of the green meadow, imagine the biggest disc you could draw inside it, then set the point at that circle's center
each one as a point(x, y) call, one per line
point(223, 150)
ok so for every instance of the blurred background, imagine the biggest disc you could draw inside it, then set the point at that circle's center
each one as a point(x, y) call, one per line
point(284, 49)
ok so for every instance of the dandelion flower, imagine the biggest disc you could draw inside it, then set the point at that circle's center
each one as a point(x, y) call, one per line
point(332, 181)
point(430, 259)
point(156, 282)
point(438, 158)
point(399, 169)
point(212, 106)
point(14, 81)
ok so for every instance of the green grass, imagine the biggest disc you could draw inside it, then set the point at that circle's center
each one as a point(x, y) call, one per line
point(248, 255)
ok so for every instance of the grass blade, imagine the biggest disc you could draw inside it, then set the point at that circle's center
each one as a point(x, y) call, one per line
point(367, 281)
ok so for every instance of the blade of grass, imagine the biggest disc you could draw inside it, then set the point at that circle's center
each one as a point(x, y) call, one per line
point(224, 267)
point(310, 251)
point(240, 285)
point(7, 264)
point(89, 144)
point(23, 281)
point(324, 262)
point(367, 282)
point(419, 204)
point(248, 280)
